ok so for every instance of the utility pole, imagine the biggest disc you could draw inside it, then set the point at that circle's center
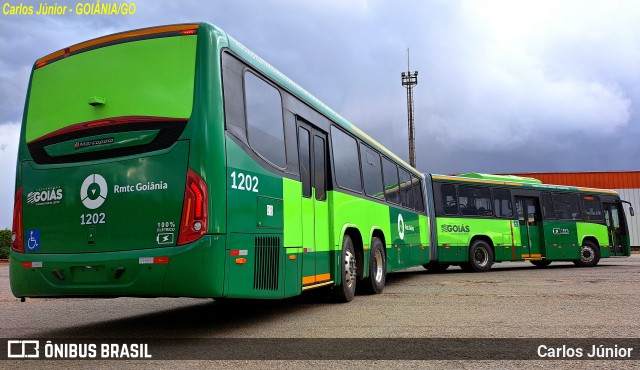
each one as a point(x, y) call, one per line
point(409, 80)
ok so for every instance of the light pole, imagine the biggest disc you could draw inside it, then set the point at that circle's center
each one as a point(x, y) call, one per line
point(409, 80)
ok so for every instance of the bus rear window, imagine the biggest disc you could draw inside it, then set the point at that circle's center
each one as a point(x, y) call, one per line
point(146, 78)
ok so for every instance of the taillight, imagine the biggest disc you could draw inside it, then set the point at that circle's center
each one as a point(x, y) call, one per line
point(194, 210)
point(17, 243)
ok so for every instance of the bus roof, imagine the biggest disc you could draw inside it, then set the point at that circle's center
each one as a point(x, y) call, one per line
point(504, 178)
point(516, 181)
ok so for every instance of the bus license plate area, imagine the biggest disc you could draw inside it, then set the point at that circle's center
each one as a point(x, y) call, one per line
point(88, 274)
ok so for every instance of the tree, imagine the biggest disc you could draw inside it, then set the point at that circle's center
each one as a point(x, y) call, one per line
point(5, 243)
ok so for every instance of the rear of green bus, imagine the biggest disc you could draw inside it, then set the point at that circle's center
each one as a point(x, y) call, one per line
point(114, 194)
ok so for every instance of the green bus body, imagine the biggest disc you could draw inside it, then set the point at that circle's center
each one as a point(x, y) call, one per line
point(173, 161)
point(535, 230)
point(120, 133)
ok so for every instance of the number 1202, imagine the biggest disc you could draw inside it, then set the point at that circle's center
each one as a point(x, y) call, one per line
point(246, 182)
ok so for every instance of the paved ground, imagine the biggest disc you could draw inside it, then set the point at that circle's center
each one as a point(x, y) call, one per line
point(514, 300)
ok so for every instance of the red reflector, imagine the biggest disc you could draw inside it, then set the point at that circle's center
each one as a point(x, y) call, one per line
point(235, 252)
point(160, 260)
point(28, 265)
point(41, 64)
point(17, 241)
point(193, 223)
point(188, 32)
point(97, 123)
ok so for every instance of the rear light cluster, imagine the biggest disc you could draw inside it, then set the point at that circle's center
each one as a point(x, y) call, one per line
point(17, 241)
point(193, 224)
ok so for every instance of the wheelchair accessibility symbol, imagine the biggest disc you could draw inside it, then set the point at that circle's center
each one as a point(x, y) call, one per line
point(33, 240)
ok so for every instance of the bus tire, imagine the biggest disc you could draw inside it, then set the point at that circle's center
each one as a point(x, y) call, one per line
point(480, 256)
point(374, 283)
point(348, 272)
point(589, 254)
point(435, 266)
point(541, 263)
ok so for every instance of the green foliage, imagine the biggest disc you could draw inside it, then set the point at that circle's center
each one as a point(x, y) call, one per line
point(5, 243)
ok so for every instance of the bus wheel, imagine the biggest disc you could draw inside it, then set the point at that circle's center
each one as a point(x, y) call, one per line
point(480, 256)
point(348, 272)
point(377, 268)
point(541, 263)
point(589, 255)
point(435, 266)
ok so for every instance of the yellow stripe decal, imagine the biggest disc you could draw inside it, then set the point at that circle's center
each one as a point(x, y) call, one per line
point(315, 278)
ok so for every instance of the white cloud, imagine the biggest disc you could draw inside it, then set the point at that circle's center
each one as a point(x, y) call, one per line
point(9, 138)
point(517, 72)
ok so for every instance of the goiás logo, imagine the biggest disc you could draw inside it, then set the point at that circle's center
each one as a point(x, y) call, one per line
point(45, 196)
point(449, 228)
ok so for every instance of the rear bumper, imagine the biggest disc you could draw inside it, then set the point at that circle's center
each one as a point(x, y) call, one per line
point(193, 270)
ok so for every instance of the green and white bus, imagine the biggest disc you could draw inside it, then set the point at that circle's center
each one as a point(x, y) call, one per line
point(482, 219)
point(173, 161)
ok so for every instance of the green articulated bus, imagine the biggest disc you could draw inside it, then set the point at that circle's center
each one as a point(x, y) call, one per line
point(173, 161)
point(482, 219)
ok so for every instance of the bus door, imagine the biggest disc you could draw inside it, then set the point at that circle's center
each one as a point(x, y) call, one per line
point(530, 224)
point(312, 148)
point(612, 212)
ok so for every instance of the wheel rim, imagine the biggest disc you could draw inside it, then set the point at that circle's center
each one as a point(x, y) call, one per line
point(349, 268)
point(481, 256)
point(587, 254)
point(377, 260)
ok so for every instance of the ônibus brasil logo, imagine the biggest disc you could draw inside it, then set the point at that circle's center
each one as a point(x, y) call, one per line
point(93, 191)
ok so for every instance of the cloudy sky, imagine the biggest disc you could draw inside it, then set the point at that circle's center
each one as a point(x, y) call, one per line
point(504, 86)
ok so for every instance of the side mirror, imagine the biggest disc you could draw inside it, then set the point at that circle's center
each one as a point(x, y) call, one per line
point(631, 211)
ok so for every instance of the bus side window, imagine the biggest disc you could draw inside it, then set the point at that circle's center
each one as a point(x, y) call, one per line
point(345, 160)
point(319, 158)
point(547, 206)
point(371, 172)
point(449, 200)
point(465, 201)
point(233, 96)
point(483, 201)
point(391, 188)
point(520, 210)
point(406, 189)
point(305, 161)
point(265, 126)
point(502, 203)
point(592, 207)
point(565, 206)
